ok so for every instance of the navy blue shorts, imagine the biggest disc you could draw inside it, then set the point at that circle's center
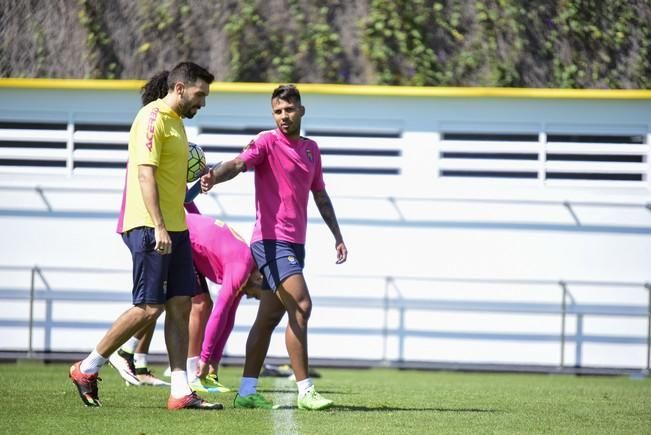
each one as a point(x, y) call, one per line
point(200, 282)
point(278, 260)
point(156, 277)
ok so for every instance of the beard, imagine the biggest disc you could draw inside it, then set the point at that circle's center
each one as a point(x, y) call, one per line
point(187, 110)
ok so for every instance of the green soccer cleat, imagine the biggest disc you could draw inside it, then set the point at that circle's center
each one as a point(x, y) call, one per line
point(212, 381)
point(313, 401)
point(202, 386)
point(251, 401)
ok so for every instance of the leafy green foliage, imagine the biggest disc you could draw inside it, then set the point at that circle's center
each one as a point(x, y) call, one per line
point(553, 43)
point(304, 43)
point(507, 43)
point(100, 53)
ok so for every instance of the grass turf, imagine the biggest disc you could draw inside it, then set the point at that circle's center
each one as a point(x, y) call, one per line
point(39, 398)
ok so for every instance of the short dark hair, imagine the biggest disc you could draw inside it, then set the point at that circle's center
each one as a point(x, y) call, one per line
point(287, 93)
point(188, 73)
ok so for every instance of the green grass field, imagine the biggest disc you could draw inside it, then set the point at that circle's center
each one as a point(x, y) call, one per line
point(39, 398)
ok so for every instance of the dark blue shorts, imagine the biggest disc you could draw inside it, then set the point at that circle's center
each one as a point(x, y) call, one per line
point(156, 277)
point(278, 260)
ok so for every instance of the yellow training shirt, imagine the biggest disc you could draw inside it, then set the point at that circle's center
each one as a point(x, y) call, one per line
point(157, 138)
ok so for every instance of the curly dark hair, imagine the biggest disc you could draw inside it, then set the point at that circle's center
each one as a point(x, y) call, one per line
point(155, 88)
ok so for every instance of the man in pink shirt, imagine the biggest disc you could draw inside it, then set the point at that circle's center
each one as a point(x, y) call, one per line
point(287, 168)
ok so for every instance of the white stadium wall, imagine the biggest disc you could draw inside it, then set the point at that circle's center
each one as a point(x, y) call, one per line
point(499, 227)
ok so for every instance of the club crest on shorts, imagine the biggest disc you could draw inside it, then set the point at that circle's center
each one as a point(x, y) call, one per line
point(291, 259)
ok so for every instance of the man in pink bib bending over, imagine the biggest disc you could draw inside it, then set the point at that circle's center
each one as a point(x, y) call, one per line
point(220, 254)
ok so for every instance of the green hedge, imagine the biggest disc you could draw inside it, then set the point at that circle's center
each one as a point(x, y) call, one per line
point(514, 43)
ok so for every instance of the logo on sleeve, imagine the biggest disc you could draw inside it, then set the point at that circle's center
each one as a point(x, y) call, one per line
point(249, 145)
point(309, 154)
point(151, 128)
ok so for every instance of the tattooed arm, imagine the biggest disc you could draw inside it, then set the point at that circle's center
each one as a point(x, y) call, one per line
point(324, 205)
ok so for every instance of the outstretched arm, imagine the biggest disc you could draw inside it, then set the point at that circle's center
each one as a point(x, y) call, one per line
point(324, 205)
point(191, 208)
point(224, 172)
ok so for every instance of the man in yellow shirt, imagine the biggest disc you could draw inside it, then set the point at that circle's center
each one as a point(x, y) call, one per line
point(152, 225)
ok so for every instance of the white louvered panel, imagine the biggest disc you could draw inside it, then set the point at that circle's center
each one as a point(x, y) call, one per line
point(35, 153)
point(623, 184)
point(489, 146)
point(360, 161)
point(240, 140)
point(34, 135)
point(214, 157)
point(113, 137)
point(480, 147)
point(605, 167)
point(40, 170)
point(492, 165)
point(584, 148)
point(344, 142)
point(102, 155)
point(115, 173)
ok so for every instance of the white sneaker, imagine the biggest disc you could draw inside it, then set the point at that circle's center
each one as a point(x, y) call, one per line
point(123, 363)
point(147, 378)
point(168, 372)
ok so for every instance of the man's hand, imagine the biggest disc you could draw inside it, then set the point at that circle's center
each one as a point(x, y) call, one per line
point(163, 240)
point(342, 252)
point(207, 181)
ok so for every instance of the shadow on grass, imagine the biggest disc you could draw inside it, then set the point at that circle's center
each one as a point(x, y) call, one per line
point(293, 391)
point(357, 408)
point(382, 408)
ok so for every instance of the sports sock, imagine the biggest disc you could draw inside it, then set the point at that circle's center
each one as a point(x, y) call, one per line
point(192, 364)
point(248, 386)
point(92, 363)
point(140, 360)
point(180, 387)
point(130, 345)
point(304, 386)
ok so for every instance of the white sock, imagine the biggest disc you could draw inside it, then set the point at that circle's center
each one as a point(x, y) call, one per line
point(140, 360)
point(192, 365)
point(304, 386)
point(180, 387)
point(248, 386)
point(92, 363)
point(130, 345)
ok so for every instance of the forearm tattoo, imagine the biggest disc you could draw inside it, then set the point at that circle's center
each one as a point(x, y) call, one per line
point(327, 212)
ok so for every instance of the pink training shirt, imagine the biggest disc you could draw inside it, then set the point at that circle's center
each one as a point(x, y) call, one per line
point(219, 253)
point(286, 170)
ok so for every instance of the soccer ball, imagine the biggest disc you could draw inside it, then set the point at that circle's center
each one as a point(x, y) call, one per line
point(196, 162)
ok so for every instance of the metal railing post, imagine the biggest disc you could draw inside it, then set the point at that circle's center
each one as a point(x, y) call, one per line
point(563, 315)
point(648, 331)
point(578, 342)
point(30, 333)
point(401, 344)
point(385, 326)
